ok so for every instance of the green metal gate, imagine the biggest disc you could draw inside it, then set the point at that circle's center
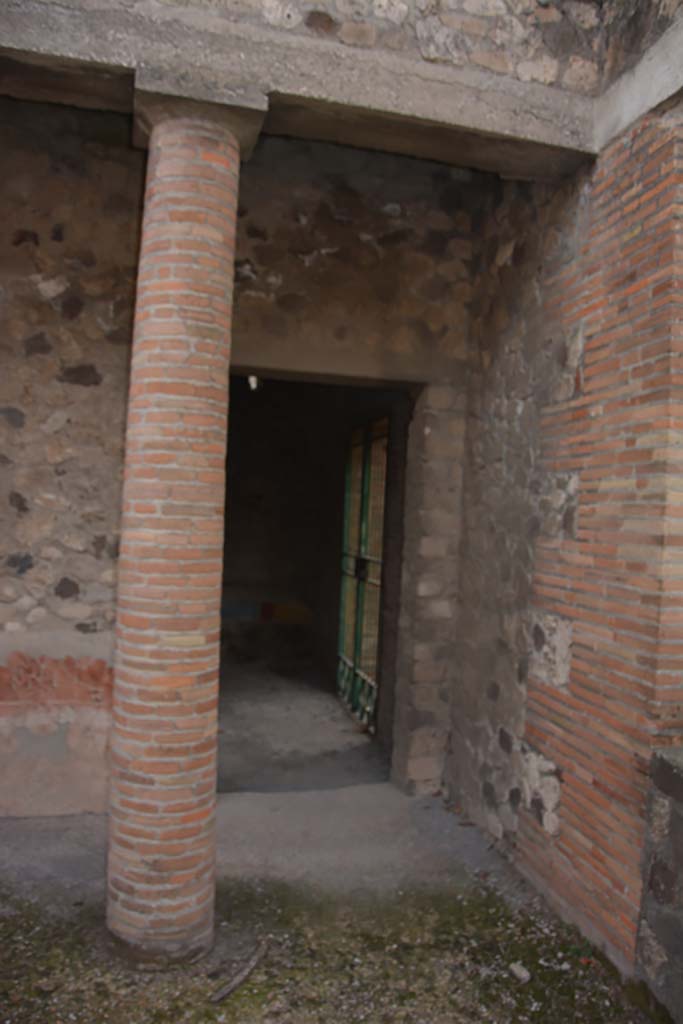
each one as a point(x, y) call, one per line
point(361, 582)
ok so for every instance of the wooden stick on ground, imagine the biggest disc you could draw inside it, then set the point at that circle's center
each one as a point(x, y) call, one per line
point(241, 976)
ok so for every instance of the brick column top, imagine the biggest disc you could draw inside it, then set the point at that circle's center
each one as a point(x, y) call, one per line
point(153, 104)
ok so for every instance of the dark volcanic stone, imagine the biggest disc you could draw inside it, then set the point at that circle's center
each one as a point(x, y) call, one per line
point(15, 417)
point(537, 808)
point(435, 243)
point(18, 502)
point(321, 22)
point(539, 638)
point(489, 794)
point(21, 562)
point(67, 588)
point(37, 345)
point(397, 237)
point(119, 336)
point(676, 834)
point(662, 882)
point(668, 927)
point(667, 774)
point(84, 374)
point(22, 236)
point(291, 302)
point(72, 306)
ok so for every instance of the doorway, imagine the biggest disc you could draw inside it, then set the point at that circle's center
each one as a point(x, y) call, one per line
point(282, 725)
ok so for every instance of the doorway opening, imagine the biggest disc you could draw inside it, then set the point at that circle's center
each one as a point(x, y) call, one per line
point(310, 584)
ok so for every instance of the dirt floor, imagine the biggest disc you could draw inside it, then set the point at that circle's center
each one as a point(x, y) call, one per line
point(286, 732)
point(419, 957)
point(340, 899)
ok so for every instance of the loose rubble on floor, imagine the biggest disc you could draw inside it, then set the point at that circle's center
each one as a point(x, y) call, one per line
point(289, 956)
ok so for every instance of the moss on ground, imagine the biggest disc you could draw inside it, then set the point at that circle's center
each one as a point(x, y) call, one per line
point(419, 957)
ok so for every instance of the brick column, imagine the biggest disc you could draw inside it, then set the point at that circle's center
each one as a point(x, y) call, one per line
point(163, 760)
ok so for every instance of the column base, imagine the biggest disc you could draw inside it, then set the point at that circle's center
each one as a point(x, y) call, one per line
point(163, 954)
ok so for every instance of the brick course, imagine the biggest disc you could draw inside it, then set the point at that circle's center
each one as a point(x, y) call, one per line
point(161, 846)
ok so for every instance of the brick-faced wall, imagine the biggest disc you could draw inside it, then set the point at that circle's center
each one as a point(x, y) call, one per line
point(614, 582)
point(569, 620)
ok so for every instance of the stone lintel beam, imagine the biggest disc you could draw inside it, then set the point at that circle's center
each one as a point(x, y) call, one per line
point(375, 98)
point(87, 52)
point(157, 98)
point(43, 79)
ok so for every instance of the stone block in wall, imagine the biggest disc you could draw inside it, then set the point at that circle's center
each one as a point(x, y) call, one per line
point(660, 934)
point(558, 501)
point(550, 648)
point(541, 788)
point(569, 355)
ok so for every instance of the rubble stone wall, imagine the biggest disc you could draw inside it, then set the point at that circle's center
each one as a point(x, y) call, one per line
point(519, 364)
point(631, 27)
point(552, 43)
point(660, 939)
point(68, 252)
point(348, 264)
point(577, 45)
point(351, 264)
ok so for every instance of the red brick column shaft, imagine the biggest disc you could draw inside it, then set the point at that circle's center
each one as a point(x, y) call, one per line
point(163, 781)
